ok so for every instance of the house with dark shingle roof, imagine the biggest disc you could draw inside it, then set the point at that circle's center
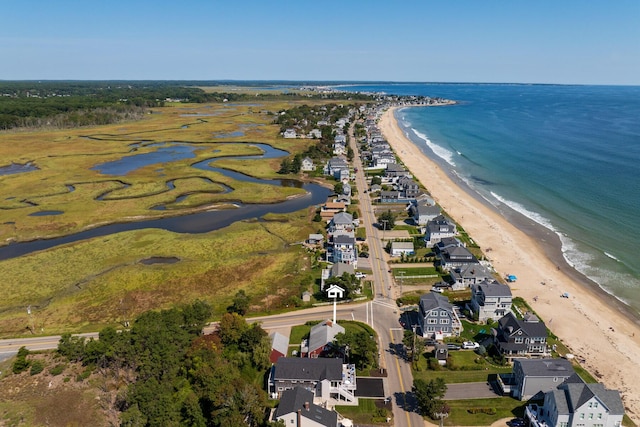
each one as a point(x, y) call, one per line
point(465, 276)
point(521, 337)
point(327, 378)
point(436, 317)
point(575, 403)
point(321, 338)
point(296, 408)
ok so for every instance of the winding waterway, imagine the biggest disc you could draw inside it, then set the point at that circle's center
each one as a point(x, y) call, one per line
point(200, 222)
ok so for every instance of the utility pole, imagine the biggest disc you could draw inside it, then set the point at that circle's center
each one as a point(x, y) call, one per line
point(402, 272)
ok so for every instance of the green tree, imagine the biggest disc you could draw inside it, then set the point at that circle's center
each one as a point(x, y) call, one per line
point(386, 220)
point(240, 303)
point(338, 188)
point(360, 348)
point(21, 363)
point(429, 395)
point(376, 180)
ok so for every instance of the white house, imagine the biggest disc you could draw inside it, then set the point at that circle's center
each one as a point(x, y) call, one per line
point(399, 248)
point(307, 164)
point(290, 133)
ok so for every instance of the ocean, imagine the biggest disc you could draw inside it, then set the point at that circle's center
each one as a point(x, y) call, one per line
point(566, 157)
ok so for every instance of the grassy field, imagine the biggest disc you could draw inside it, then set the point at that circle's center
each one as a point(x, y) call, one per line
point(89, 284)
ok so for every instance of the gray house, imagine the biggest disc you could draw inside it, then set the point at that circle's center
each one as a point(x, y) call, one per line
point(328, 379)
point(456, 257)
point(490, 300)
point(531, 378)
point(437, 229)
point(467, 275)
point(437, 317)
point(422, 214)
point(521, 337)
point(296, 408)
point(575, 403)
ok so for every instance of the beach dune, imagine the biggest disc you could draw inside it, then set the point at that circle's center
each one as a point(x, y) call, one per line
point(592, 324)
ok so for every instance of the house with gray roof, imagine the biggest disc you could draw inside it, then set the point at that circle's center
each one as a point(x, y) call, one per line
point(399, 248)
point(321, 339)
point(296, 408)
point(422, 214)
point(531, 378)
point(344, 250)
point(341, 223)
point(467, 275)
point(456, 257)
point(395, 170)
point(437, 318)
point(521, 337)
point(575, 403)
point(336, 270)
point(490, 300)
point(307, 164)
point(437, 229)
point(279, 346)
point(328, 378)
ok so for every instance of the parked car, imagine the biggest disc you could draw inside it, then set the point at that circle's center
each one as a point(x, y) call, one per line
point(360, 274)
point(453, 347)
point(438, 290)
point(470, 345)
point(516, 422)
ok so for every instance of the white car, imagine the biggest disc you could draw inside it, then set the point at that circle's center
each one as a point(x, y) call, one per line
point(470, 345)
point(438, 290)
point(360, 275)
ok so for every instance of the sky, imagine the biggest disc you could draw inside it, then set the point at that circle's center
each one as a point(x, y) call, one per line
point(543, 41)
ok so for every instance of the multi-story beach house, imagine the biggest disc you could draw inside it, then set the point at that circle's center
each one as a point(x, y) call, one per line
point(468, 275)
point(531, 378)
point(490, 300)
point(342, 223)
point(296, 409)
point(438, 229)
point(577, 404)
point(422, 214)
point(521, 337)
point(456, 257)
point(437, 318)
point(344, 250)
point(328, 379)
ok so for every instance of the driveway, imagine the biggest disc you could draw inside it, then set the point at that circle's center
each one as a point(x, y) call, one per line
point(469, 391)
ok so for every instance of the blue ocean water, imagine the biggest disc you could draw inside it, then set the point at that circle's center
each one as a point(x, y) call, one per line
point(567, 157)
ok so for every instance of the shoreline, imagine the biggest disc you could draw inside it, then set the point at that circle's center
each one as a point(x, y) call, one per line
point(592, 323)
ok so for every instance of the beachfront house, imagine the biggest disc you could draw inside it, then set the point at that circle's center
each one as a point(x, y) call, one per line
point(395, 170)
point(437, 229)
point(344, 250)
point(531, 378)
point(521, 337)
point(490, 300)
point(468, 275)
point(456, 257)
point(575, 403)
point(422, 214)
point(436, 317)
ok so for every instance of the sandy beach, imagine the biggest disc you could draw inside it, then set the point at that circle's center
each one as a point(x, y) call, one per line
point(593, 325)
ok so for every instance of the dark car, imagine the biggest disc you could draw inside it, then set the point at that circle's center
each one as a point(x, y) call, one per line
point(517, 422)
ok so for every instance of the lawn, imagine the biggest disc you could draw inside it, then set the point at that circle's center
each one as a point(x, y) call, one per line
point(502, 407)
point(367, 412)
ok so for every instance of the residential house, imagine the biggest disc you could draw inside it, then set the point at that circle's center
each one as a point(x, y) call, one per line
point(315, 134)
point(342, 223)
point(336, 166)
point(490, 300)
point(344, 250)
point(329, 209)
point(389, 196)
point(290, 133)
point(395, 170)
point(336, 270)
point(408, 187)
point(437, 229)
point(321, 338)
point(328, 378)
point(437, 318)
point(465, 276)
point(307, 165)
point(339, 149)
point(456, 257)
point(531, 378)
point(422, 214)
point(279, 346)
point(399, 248)
point(575, 403)
point(521, 337)
point(383, 161)
point(296, 409)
